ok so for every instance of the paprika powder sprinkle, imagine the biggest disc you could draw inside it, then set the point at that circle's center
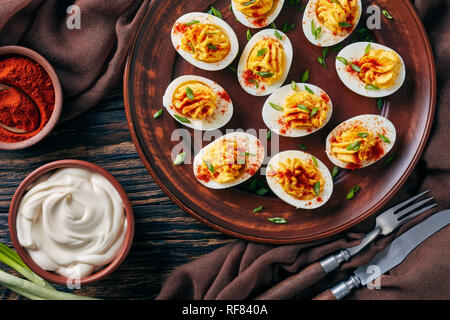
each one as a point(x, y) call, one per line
point(29, 102)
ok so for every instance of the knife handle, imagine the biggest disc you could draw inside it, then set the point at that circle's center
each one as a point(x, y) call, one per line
point(295, 284)
point(341, 290)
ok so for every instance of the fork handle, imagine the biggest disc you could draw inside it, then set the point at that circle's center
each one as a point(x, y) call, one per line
point(295, 284)
point(341, 290)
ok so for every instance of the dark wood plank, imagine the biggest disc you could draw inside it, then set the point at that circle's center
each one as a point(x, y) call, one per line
point(165, 236)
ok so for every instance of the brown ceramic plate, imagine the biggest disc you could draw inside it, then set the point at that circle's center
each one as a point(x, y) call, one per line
point(153, 63)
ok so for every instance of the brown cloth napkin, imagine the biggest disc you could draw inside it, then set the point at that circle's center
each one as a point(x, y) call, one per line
point(243, 270)
point(89, 61)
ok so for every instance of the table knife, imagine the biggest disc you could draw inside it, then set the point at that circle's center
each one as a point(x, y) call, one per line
point(390, 257)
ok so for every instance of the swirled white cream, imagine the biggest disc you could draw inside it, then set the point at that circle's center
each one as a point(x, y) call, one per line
point(72, 222)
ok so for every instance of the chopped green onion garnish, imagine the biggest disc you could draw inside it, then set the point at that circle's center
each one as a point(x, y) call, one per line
point(335, 172)
point(275, 106)
point(354, 145)
point(209, 166)
point(261, 52)
point(262, 191)
point(363, 134)
point(182, 119)
point(190, 93)
point(387, 14)
point(303, 147)
point(302, 8)
point(313, 112)
point(380, 103)
point(303, 108)
point(343, 60)
point(277, 220)
point(258, 209)
point(287, 27)
point(317, 188)
point(272, 25)
point(278, 35)
point(265, 74)
point(179, 159)
point(316, 163)
point(211, 46)
point(309, 89)
point(192, 22)
point(366, 51)
point(352, 192)
point(254, 82)
point(385, 139)
point(191, 46)
point(294, 2)
point(371, 87)
point(305, 76)
point(390, 159)
point(345, 24)
point(249, 34)
point(157, 113)
point(322, 62)
point(233, 69)
point(249, 3)
point(294, 85)
point(355, 67)
point(269, 134)
point(315, 32)
point(215, 12)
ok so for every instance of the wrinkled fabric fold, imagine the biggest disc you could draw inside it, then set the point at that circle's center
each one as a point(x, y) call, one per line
point(89, 61)
point(243, 270)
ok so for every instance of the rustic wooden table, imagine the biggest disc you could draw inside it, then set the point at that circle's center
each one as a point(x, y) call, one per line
point(165, 236)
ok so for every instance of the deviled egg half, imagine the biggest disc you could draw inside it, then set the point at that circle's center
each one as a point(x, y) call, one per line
point(297, 110)
point(299, 179)
point(265, 62)
point(229, 160)
point(371, 69)
point(198, 103)
point(207, 42)
point(360, 141)
point(326, 22)
point(256, 13)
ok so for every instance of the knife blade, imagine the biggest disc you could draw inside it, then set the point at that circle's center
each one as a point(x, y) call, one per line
point(391, 256)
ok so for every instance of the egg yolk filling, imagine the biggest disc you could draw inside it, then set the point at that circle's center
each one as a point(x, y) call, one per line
point(223, 162)
point(267, 61)
point(337, 15)
point(355, 145)
point(300, 179)
point(194, 100)
point(254, 9)
point(304, 110)
point(379, 68)
point(206, 42)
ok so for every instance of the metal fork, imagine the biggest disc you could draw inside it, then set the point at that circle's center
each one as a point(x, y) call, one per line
point(385, 223)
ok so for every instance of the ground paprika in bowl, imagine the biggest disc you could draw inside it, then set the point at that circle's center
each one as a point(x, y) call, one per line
point(30, 97)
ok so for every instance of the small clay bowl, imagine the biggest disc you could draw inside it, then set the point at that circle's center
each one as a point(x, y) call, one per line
point(23, 253)
point(33, 55)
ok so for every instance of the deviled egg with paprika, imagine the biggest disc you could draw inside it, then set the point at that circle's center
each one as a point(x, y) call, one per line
point(207, 42)
point(371, 69)
point(265, 62)
point(229, 160)
point(360, 141)
point(256, 13)
point(299, 179)
point(198, 103)
point(297, 110)
point(328, 22)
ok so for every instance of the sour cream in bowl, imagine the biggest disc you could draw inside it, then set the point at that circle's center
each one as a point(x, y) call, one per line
point(71, 222)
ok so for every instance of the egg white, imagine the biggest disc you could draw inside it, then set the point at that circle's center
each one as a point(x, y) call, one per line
point(283, 195)
point(256, 157)
point(206, 19)
point(222, 114)
point(271, 116)
point(268, 89)
point(252, 22)
point(374, 124)
point(354, 52)
point(327, 38)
